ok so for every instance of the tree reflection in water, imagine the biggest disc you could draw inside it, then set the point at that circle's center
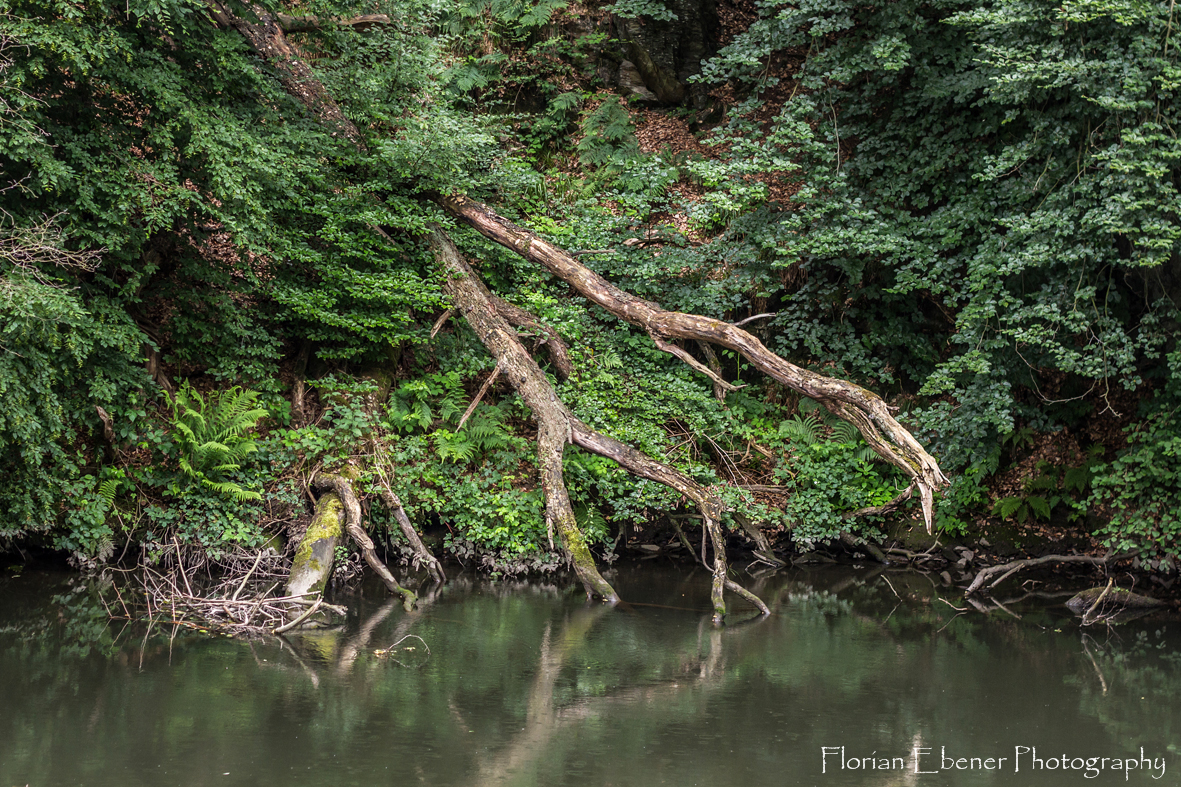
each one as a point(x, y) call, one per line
point(526, 684)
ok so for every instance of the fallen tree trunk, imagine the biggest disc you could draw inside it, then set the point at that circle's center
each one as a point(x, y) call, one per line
point(553, 421)
point(557, 427)
point(312, 565)
point(864, 409)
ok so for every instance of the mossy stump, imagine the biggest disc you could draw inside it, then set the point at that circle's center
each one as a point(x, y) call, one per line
point(312, 565)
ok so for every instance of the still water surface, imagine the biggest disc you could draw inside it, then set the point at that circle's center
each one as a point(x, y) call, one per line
point(525, 684)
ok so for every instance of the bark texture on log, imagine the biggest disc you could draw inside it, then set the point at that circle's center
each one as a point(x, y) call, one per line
point(421, 553)
point(312, 565)
point(303, 24)
point(861, 407)
point(559, 353)
point(267, 38)
point(553, 421)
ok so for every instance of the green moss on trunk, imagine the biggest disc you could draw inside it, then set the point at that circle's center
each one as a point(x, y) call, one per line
point(313, 558)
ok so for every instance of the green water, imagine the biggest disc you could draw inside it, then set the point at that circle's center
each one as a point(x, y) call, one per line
point(525, 684)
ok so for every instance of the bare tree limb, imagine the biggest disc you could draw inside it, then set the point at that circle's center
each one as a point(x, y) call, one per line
point(352, 523)
point(684, 355)
point(557, 427)
point(471, 408)
point(303, 24)
point(1006, 570)
point(885, 508)
point(559, 353)
point(470, 297)
point(864, 409)
point(752, 318)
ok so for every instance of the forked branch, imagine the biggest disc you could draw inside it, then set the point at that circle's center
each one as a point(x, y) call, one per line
point(864, 409)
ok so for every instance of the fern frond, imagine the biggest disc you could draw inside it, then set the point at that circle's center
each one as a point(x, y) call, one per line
point(1007, 506)
point(107, 489)
point(1077, 479)
point(845, 432)
point(800, 430)
point(230, 489)
point(1039, 506)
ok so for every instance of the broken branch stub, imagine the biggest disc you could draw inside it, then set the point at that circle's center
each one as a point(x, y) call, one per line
point(861, 407)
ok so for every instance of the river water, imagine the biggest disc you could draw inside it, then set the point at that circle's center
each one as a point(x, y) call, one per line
point(526, 684)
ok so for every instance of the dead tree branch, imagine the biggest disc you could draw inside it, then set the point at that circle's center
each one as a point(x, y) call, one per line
point(559, 353)
point(1006, 570)
point(864, 409)
point(557, 427)
point(343, 488)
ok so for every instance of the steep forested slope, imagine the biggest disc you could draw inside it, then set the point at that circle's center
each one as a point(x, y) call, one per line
point(968, 207)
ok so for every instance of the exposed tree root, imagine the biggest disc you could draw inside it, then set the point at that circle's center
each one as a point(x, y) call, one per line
point(864, 409)
point(762, 546)
point(1006, 570)
point(557, 427)
point(873, 550)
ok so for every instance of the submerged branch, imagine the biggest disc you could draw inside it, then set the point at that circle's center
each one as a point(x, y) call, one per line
point(1006, 570)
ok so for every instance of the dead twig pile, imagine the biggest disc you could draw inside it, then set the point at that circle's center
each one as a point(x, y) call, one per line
point(229, 595)
point(223, 608)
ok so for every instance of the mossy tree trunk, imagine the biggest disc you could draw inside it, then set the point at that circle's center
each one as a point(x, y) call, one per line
point(312, 565)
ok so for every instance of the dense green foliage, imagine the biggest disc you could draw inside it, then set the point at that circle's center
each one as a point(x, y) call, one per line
point(987, 204)
point(969, 205)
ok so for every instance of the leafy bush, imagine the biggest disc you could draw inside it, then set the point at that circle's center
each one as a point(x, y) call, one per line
point(1141, 489)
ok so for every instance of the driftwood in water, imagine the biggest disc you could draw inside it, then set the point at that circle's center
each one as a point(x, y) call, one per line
point(861, 407)
point(224, 606)
point(1109, 601)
